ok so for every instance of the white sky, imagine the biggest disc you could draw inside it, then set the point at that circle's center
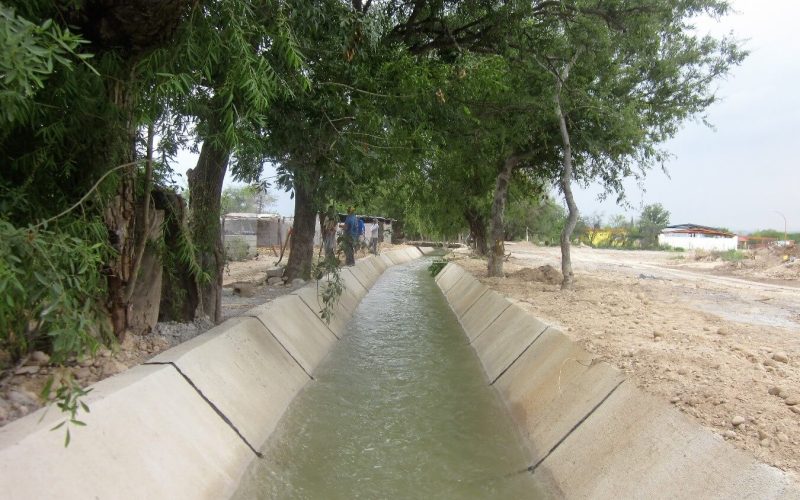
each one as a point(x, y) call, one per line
point(739, 175)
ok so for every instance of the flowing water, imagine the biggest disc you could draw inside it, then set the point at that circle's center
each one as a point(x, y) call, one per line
point(399, 409)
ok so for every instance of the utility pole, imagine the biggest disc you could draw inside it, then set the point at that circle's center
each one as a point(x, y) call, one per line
point(785, 238)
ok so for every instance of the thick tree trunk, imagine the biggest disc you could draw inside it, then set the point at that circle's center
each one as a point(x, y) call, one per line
point(565, 183)
point(301, 254)
point(477, 230)
point(180, 292)
point(205, 192)
point(497, 226)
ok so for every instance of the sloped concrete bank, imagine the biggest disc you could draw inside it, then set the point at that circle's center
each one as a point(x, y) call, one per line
point(591, 433)
point(187, 423)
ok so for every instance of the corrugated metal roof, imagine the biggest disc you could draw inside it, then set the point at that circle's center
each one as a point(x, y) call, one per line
point(697, 229)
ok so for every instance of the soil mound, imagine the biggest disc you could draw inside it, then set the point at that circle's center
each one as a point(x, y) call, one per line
point(544, 274)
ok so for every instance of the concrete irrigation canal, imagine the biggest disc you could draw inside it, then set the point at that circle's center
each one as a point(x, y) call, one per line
point(418, 388)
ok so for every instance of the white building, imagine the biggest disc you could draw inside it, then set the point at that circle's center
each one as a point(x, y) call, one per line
point(694, 237)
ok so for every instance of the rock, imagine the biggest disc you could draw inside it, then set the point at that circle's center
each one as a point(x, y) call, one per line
point(86, 362)
point(729, 434)
point(706, 329)
point(762, 434)
point(795, 409)
point(783, 394)
point(657, 334)
point(792, 400)
point(275, 272)
point(275, 280)
point(244, 289)
point(104, 352)
point(112, 367)
point(780, 357)
point(27, 370)
point(737, 421)
point(298, 282)
point(40, 358)
point(770, 363)
point(783, 437)
point(23, 398)
point(765, 443)
point(674, 399)
point(83, 373)
point(682, 371)
point(722, 331)
point(774, 391)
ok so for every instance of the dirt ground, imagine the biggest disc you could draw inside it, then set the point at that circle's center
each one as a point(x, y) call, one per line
point(719, 340)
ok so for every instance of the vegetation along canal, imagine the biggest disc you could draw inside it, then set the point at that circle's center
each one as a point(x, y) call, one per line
point(399, 409)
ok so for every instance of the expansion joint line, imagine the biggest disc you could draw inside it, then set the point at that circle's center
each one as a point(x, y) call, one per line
point(474, 302)
point(533, 467)
point(284, 347)
point(210, 403)
point(323, 321)
point(490, 324)
point(518, 356)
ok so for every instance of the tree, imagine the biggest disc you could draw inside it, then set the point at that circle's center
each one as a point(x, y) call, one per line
point(248, 199)
point(653, 219)
point(623, 78)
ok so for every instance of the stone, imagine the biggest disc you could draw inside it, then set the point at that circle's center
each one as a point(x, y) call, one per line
point(27, 370)
point(783, 437)
point(706, 329)
point(762, 434)
point(86, 362)
point(298, 282)
point(657, 334)
point(83, 373)
point(729, 434)
point(112, 367)
point(23, 398)
point(737, 421)
point(774, 391)
point(795, 409)
point(770, 363)
point(244, 289)
point(682, 371)
point(765, 443)
point(275, 280)
point(674, 399)
point(780, 357)
point(722, 331)
point(104, 352)
point(792, 400)
point(40, 358)
point(274, 272)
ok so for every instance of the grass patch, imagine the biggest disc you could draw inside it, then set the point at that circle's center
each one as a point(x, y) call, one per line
point(732, 256)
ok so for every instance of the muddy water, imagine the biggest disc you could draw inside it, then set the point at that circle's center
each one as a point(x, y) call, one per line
point(399, 409)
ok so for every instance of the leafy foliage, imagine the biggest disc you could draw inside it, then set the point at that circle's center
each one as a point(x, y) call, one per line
point(49, 284)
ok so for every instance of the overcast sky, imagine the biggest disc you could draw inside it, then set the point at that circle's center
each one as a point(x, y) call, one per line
point(744, 172)
point(741, 174)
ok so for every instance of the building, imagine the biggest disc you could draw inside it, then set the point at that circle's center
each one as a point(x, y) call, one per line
point(695, 237)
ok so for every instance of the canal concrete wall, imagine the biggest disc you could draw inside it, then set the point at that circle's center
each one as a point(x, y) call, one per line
point(186, 424)
point(590, 432)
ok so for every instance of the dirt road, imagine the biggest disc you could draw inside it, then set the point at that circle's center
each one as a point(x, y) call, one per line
point(721, 348)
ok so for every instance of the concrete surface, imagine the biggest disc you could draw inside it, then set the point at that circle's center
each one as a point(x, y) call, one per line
point(505, 340)
point(246, 373)
point(297, 329)
point(481, 315)
point(464, 294)
point(591, 433)
point(148, 435)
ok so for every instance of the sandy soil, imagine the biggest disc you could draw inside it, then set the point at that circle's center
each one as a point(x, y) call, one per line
point(698, 332)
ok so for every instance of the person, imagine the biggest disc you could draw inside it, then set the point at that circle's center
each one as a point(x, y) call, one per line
point(373, 239)
point(361, 233)
point(350, 236)
point(329, 233)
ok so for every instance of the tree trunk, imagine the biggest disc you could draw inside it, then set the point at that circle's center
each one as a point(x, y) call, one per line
point(497, 227)
point(565, 183)
point(477, 230)
point(180, 292)
point(301, 253)
point(205, 192)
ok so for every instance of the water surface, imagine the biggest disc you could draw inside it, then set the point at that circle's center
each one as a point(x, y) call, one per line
point(400, 409)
